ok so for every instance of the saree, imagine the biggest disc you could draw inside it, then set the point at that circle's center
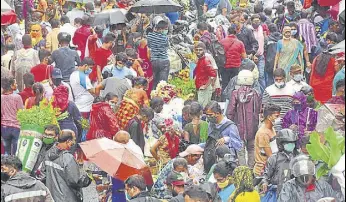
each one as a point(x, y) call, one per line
point(290, 54)
point(128, 110)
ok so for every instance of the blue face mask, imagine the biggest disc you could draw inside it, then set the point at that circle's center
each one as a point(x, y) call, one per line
point(87, 72)
point(165, 32)
point(128, 197)
point(294, 32)
point(289, 147)
point(297, 107)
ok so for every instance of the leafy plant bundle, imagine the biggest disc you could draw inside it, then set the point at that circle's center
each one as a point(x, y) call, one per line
point(329, 153)
point(185, 86)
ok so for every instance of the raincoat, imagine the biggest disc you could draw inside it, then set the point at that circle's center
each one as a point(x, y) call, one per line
point(103, 122)
point(23, 188)
point(144, 197)
point(305, 119)
point(292, 191)
point(63, 177)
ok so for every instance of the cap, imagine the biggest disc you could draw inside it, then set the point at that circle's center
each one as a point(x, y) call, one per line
point(192, 150)
point(246, 78)
point(175, 179)
point(56, 73)
point(157, 19)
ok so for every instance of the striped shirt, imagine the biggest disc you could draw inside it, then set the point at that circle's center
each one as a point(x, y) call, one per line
point(281, 97)
point(158, 45)
point(10, 104)
point(308, 32)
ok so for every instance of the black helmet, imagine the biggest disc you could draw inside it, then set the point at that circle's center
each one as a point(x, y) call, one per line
point(286, 135)
point(64, 37)
point(306, 89)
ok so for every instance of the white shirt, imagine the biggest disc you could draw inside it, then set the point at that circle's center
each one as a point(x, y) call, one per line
point(68, 28)
point(296, 86)
point(83, 98)
point(6, 59)
point(70, 96)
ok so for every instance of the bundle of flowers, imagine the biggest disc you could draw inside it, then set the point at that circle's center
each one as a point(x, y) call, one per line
point(185, 86)
point(165, 90)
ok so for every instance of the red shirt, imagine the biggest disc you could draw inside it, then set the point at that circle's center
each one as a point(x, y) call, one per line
point(234, 49)
point(41, 72)
point(203, 72)
point(80, 38)
point(101, 59)
point(26, 93)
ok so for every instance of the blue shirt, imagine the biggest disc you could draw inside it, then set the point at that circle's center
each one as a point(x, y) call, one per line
point(212, 3)
point(119, 73)
point(173, 17)
point(338, 77)
point(226, 193)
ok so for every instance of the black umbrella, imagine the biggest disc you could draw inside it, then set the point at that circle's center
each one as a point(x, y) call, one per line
point(113, 16)
point(155, 6)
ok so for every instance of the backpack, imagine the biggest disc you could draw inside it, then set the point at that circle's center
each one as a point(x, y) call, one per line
point(218, 52)
point(209, 156)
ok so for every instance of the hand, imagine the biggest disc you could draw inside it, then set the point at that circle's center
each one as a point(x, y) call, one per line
point(220, 142)
point(264, 188)
point(203, 87)
point(294, 127)
point(308, 65)
point(250, 56)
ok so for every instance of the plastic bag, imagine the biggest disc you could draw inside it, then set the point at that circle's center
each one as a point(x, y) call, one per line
point(270, 196)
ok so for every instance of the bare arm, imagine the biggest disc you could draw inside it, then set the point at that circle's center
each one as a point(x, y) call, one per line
point(98, 88)
point(99, 74)
point(153, 150)
point(268, 151)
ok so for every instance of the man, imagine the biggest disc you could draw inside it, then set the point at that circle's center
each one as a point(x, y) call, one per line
point(19, 186)
point(65, 59)
point(221, 131)
point(63, 177)
point(101, 57)
point(304, 186)
point(297, 81)
point(224, 8)
point(50, 136)
point(120, 42)
point(158, 46)
point(307, 31)
point(81, 35)
point(176, 184)
point(196, 194)
point(205, 75)
point(67, 27)
point(43, 70)
point(245, 35)
point(264, 147)
point(82, 88)
point(94, 42)
point(135, 127)
point(24, 60)
point(28, 79)
point(339, 97)
point(119, 69)
point(52, 42)
point(7, 58)
point(124, 137)
point(279, 94)
point(135, 189)
point(204, 34)
point(234, 52)
point(340, 75)
point(277, 170)
point(260, 35)
point(57, 81)
point(113, 85)
point(292, 14)
point(210, 7)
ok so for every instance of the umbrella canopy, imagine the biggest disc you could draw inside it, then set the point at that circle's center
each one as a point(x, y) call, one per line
point(8, 17)
point(118, 160)
point(338, 48)
point(113, 16)
point(155, 6)
point(5, 7)
point(82, 1)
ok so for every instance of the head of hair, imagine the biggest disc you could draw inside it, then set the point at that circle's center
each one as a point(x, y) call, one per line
point(64, 19)
point(222, 168)
point(304, 14)
point(291, 4)
point(268, 11)
point(147, 112)
point(98, 99)
point(162, 25)
point(196, 193)
point(65, 136)
point(122, 57)
point(214, 107)
point(332, 36)
point(38, 91)
point(188, 102)
point(136, 181)
point(202, 26)
point(255, 16)
point(109, 37)
point(340, 83)
point(52, 127)
point(200, 44)
point(43, 53)
point(280, 9)
point(156, 102)
point(293, 24)
point(28, 79)
point(263, 17)
point(87, 61)
point(64, 38)
point(11, 160)
point(77, 21)
point(179, 162)
point(196, 109)
point(26, 40)
point(273, 28)
point(279, 72)
point(270, 109)
point(140, 81)
point(10, 47)
point(7, 83)
point(131, 53)
point(110, 96)
point(258, 8)
point(222, 150)
point(232, 30)
point(186, 109)
point(54, 23)
point(86, 20)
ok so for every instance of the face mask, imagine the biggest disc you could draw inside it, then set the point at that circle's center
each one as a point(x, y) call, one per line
point(87, 72)
point(280, 85)
point(223, 185)
point(185, 176)
point(48, 140)
point(255, 26)
point(304, 180)
point(112, 105)
point(298, 77)
point(294, 32)
point(289, 147)
point(5, 176)
point(128, 197)
point(129, 64)
point(297, 107)
point(212, 119)
point(165, 32)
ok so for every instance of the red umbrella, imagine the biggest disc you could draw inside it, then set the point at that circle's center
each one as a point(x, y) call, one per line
point(118, 160)
point(8, 17)
point(328, 2)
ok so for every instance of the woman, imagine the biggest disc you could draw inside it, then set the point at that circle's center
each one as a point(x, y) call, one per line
point(134, 99)
point(167, 147)
point(301, 118)
point(38, 41)
point(323, 71)
point(223, 176)
point(103, 121)
point(197, 131)
point(289, 52)
point(38, 90)
point(244, 188)
point(73, 118)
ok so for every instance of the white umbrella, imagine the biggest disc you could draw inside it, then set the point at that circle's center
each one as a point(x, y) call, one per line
point(338, 48)
point(5, 7)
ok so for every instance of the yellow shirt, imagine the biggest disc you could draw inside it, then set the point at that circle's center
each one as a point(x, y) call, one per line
point(248, 196)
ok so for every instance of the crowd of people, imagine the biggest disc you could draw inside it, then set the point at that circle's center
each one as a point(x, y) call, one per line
point(242, 136)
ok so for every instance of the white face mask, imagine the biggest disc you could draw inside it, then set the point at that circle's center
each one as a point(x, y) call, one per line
point(298, 77)
point(280, 85)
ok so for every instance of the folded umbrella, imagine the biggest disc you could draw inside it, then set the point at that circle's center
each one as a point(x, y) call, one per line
point(155, 6)
point(113, 16)
point(118, 160)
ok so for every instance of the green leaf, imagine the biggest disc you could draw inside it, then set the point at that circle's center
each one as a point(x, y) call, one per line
point(317, 150)
point(322, 171)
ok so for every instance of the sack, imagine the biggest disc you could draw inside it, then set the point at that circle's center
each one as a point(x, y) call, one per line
point(218, 53)
point(271, 196)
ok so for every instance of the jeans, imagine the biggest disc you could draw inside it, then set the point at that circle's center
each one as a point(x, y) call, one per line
point(160, 70)
point(10, 136)
point(261, 79)
point(249, 149)
point(269, 78)
point(227, 74)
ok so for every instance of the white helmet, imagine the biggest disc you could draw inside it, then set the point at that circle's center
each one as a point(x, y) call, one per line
point(245, 78)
